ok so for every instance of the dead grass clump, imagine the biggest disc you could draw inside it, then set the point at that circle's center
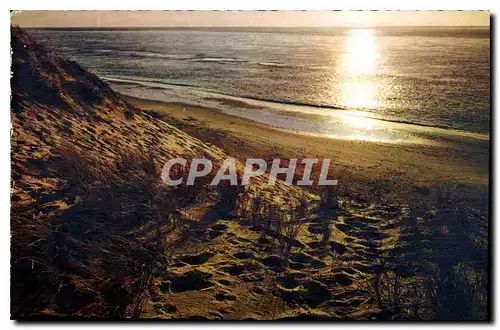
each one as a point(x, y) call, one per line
point(86, 257)
point(438, 270)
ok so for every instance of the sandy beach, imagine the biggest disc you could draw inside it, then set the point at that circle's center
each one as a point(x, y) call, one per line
point(457, 163)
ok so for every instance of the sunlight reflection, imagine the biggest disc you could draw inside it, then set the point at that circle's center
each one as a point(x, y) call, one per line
point(359, 122)
point(361, 52)
point(359, 90)
point(358, 64)
point(359, 93)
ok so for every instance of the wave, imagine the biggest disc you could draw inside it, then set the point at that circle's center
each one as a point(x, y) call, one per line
point(302, 107)
point(103, 51)
point(273, 64)
point(158, 55)
point(220, 59)
point(190, 57)
point(145, 81)
point(202, 58)
point(143, 54)
point(252, 102)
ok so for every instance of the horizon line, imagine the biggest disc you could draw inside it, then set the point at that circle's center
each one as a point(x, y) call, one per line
point(250, 27)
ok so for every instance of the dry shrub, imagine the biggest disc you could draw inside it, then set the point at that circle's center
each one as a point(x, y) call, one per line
point(85, 260)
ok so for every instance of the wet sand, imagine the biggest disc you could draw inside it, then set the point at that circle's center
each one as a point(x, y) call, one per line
point(441, 160)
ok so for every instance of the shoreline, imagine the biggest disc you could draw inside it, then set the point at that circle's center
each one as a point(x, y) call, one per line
point(397, 171)
point(389, 130)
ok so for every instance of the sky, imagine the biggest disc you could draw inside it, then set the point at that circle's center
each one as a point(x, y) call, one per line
point(247, 18)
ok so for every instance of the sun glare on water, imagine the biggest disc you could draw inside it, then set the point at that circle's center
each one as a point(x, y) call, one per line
point(359, 90)
point(358, 63)
point(360, 52)
point(359, 122)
